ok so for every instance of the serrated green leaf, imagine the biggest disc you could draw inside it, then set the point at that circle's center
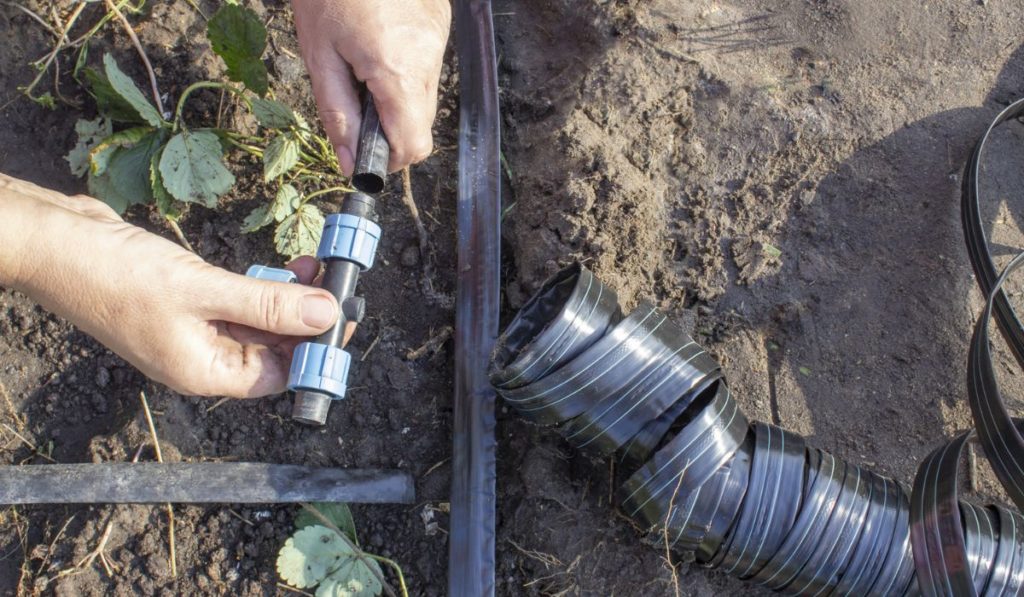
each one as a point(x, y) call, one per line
point(280, 156)
point(45, 100)
point(337, 512)
point(309, 555)
point(125, 87)
point(128, 168)
point(90, 134)
point(100, 154)
point(165, 204)
point(192, 168)
point(273, 114)
point(108, 102)
point(299, 233)
point(239, 38)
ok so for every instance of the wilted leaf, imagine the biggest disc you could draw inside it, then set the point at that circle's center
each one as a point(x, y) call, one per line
point(108, 102)
point(280, 156)
point(100, 154)
point(90, 134)
point(273, 114)
point(192, 168)
point(126, 88)
point(309, 555)
point(164, 202)
point(239, 38)
point(299, 233)
point(337, 512)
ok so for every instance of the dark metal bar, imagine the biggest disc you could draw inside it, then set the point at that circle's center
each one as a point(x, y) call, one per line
point(471, 564)
point(199, 483)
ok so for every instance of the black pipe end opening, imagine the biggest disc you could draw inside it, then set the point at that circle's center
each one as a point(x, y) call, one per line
point(368, 182)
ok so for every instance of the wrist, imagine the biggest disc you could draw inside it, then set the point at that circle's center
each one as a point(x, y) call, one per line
point(23, 220)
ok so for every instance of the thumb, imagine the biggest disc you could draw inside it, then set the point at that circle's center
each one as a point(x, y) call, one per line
point(277, 307)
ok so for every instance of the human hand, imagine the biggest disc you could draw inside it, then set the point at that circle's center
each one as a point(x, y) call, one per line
point(396, 48)
point(197, 328)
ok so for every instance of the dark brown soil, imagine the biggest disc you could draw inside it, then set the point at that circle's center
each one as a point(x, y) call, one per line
point(782, 176)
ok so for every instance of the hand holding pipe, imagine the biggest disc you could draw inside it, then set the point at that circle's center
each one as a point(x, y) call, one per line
point(319, 369)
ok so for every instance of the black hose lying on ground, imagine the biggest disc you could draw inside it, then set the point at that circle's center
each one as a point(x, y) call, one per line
point(752, 499)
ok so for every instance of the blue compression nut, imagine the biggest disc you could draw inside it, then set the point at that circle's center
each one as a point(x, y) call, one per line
point(271, 274)
point(319, 368)
point(351, 238)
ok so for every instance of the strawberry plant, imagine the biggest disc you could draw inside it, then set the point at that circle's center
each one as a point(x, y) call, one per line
point(132, 154)
point(324, 553)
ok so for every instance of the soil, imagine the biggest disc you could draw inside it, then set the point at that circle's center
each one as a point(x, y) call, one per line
point(781, 176)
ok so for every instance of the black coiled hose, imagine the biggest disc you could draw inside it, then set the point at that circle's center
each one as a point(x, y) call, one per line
point(752, 499)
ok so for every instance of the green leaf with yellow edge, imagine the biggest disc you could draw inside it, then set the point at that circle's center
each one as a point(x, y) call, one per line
point(299, 233)
point(316, 555)
point(165, 204)
point(100, 154)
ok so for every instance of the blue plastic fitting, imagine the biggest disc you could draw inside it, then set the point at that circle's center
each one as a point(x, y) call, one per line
point(271, 274)
point(351, 238)
point(319, 368)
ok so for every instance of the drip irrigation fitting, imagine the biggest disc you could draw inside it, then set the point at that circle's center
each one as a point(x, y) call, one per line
point(748, 498)
point(348, 244)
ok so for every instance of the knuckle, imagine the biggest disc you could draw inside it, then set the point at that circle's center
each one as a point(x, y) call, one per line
point(272, 305)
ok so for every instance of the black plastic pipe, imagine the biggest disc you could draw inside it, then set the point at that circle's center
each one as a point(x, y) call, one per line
point(471, 542)
point(751, 500)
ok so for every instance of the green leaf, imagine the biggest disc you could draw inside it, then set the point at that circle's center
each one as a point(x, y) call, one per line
point(192, 168)
point(280, 156)
point(336, 512)
point(299, 233)
point(102, 188)
point(129, 168)
point(257, 218)
point(45, 100)
point(239, 38)
point(772, 251)
point(286, 202)
point(353, 579)
point(165, 204)
point(273, 114)
point(99, 156)
point(806, 371)
point(309, 555)
point(90, 134)
point(108, 102)
point(126, 88)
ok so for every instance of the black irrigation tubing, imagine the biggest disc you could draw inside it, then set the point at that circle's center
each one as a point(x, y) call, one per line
point(751, 499)
point(471, 544)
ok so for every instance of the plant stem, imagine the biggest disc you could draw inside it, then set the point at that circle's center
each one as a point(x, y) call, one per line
point(396, 567)
point(56, 49)
point(316, 194)
point(196, 86)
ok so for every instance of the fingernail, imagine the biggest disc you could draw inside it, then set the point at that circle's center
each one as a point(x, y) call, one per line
point(318, 311)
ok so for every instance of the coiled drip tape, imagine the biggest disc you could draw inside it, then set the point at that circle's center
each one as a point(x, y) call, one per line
point(750, 499)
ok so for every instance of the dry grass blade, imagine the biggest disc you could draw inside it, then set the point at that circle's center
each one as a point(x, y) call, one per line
point(170, 510)
point(668, 545)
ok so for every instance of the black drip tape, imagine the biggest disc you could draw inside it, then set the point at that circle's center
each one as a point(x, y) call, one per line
point(752, 500)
